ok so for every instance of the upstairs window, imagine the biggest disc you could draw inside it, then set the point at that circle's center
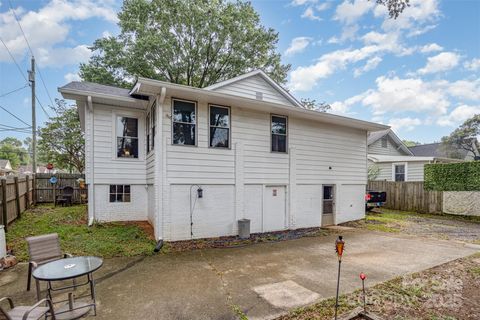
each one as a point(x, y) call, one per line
point(400, 172)
point(279, 134)
point(219, 127)
point(384, 142)
point(153, 117)
point(148, 132)
point(127, 137)
point(119, 193)
point(184, 122)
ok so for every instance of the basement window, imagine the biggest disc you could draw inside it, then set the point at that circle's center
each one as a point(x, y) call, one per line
point(279, 133)
point(119, 193)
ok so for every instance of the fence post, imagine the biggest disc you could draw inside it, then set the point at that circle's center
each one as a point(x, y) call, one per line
point(27, 192)
point(4, 204)
point(17, 196)
point(34, 189)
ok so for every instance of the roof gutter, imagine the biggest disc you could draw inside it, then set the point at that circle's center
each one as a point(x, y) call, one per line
point(309, 114)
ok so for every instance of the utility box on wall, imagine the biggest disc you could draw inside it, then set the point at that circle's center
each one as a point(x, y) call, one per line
point(244, 228)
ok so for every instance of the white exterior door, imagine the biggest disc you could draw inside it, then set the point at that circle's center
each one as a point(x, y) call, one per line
point(274, 214)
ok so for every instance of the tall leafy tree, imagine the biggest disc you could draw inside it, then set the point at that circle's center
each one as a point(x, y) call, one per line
point(12, 149)
point(61, 139)
point(312, 104)
point(465, 137)
point(190, 42)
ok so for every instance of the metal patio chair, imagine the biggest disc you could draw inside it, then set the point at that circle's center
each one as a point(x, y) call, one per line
point(34, 312)
point(43, 249)
point(66, 197)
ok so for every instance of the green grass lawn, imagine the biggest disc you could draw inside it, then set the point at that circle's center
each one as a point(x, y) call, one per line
point(105, 240)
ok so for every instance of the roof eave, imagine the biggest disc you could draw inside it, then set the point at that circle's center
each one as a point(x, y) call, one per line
point(314, 115)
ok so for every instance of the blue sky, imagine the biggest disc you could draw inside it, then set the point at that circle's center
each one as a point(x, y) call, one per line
point(419, 73)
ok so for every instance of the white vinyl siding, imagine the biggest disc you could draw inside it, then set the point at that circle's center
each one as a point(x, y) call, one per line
point(415, 170)
point(391, 149)
point(249, 88)
point(108, 168)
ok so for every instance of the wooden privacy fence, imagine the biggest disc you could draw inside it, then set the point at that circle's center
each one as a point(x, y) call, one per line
point(409, 196)
point(16, 196)
point(45, 190)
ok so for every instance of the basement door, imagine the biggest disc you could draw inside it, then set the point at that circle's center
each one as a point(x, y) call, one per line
point(274, 210)
point(328, 205)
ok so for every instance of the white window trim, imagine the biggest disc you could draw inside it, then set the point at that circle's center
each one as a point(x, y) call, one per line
point(141, 140)
point(196, 123)
point(229, 126)
point(286, 133)
point(399, 164)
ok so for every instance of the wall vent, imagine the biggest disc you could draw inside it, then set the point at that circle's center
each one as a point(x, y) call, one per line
point(259, 95)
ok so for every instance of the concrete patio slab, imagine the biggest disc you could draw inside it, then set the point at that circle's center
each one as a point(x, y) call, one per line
point(256, 280)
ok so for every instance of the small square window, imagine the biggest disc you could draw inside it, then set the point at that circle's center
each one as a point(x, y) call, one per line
point(119, 193)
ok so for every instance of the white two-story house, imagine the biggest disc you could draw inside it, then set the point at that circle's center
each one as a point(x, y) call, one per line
point(195, 161)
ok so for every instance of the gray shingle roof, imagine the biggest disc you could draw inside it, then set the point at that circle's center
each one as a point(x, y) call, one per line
point(97, 88)
point(433, 150)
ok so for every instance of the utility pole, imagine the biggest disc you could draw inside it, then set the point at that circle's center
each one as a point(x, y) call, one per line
point(31, 78)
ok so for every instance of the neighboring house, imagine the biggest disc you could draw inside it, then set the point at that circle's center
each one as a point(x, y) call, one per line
point(5, 167)
point(438, 150)
point(394, 160)
point(246, 143)
point(27, 169)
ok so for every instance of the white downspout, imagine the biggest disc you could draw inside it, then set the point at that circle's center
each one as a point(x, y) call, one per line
point(159, 165)
point(91, 187)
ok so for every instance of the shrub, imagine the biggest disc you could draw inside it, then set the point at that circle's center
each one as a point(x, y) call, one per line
point(464, 176)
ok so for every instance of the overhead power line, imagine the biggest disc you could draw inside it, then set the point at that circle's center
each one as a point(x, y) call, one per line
point(13, 91)
point(31, 52)
point(23, 75)
point(14, 116)
point(13, 59)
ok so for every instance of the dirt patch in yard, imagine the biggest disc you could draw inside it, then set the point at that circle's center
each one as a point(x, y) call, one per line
point(235, 241)
point(445, 227)
point(446, 292)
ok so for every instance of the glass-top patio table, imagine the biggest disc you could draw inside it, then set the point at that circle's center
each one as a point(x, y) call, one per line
point(65, 269)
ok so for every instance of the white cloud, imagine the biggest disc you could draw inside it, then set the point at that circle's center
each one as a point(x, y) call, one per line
point(416, 18)
point(405, 124)
point(462, 89)
point(60, 57)
point(349, 33)
point(441, 62)
point(304, 78)
point(69, 77)
point(323, 6)
point(350, 11)
point(370, 65)
point(297, 45)
point(49, 27)
point(302, 2)
point(310, 14)
point(458, 115)
point(472, 65)
point(431, 47)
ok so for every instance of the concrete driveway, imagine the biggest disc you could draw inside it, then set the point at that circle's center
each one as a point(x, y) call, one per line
point(261, 281)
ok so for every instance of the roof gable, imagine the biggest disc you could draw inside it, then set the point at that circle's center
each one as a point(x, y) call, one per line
point(256, 85)
point(375, 136)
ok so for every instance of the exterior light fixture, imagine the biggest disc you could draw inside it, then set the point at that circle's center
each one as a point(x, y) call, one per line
point(200, 192)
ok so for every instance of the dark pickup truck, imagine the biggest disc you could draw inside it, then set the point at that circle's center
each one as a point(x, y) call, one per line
point(374, 199)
